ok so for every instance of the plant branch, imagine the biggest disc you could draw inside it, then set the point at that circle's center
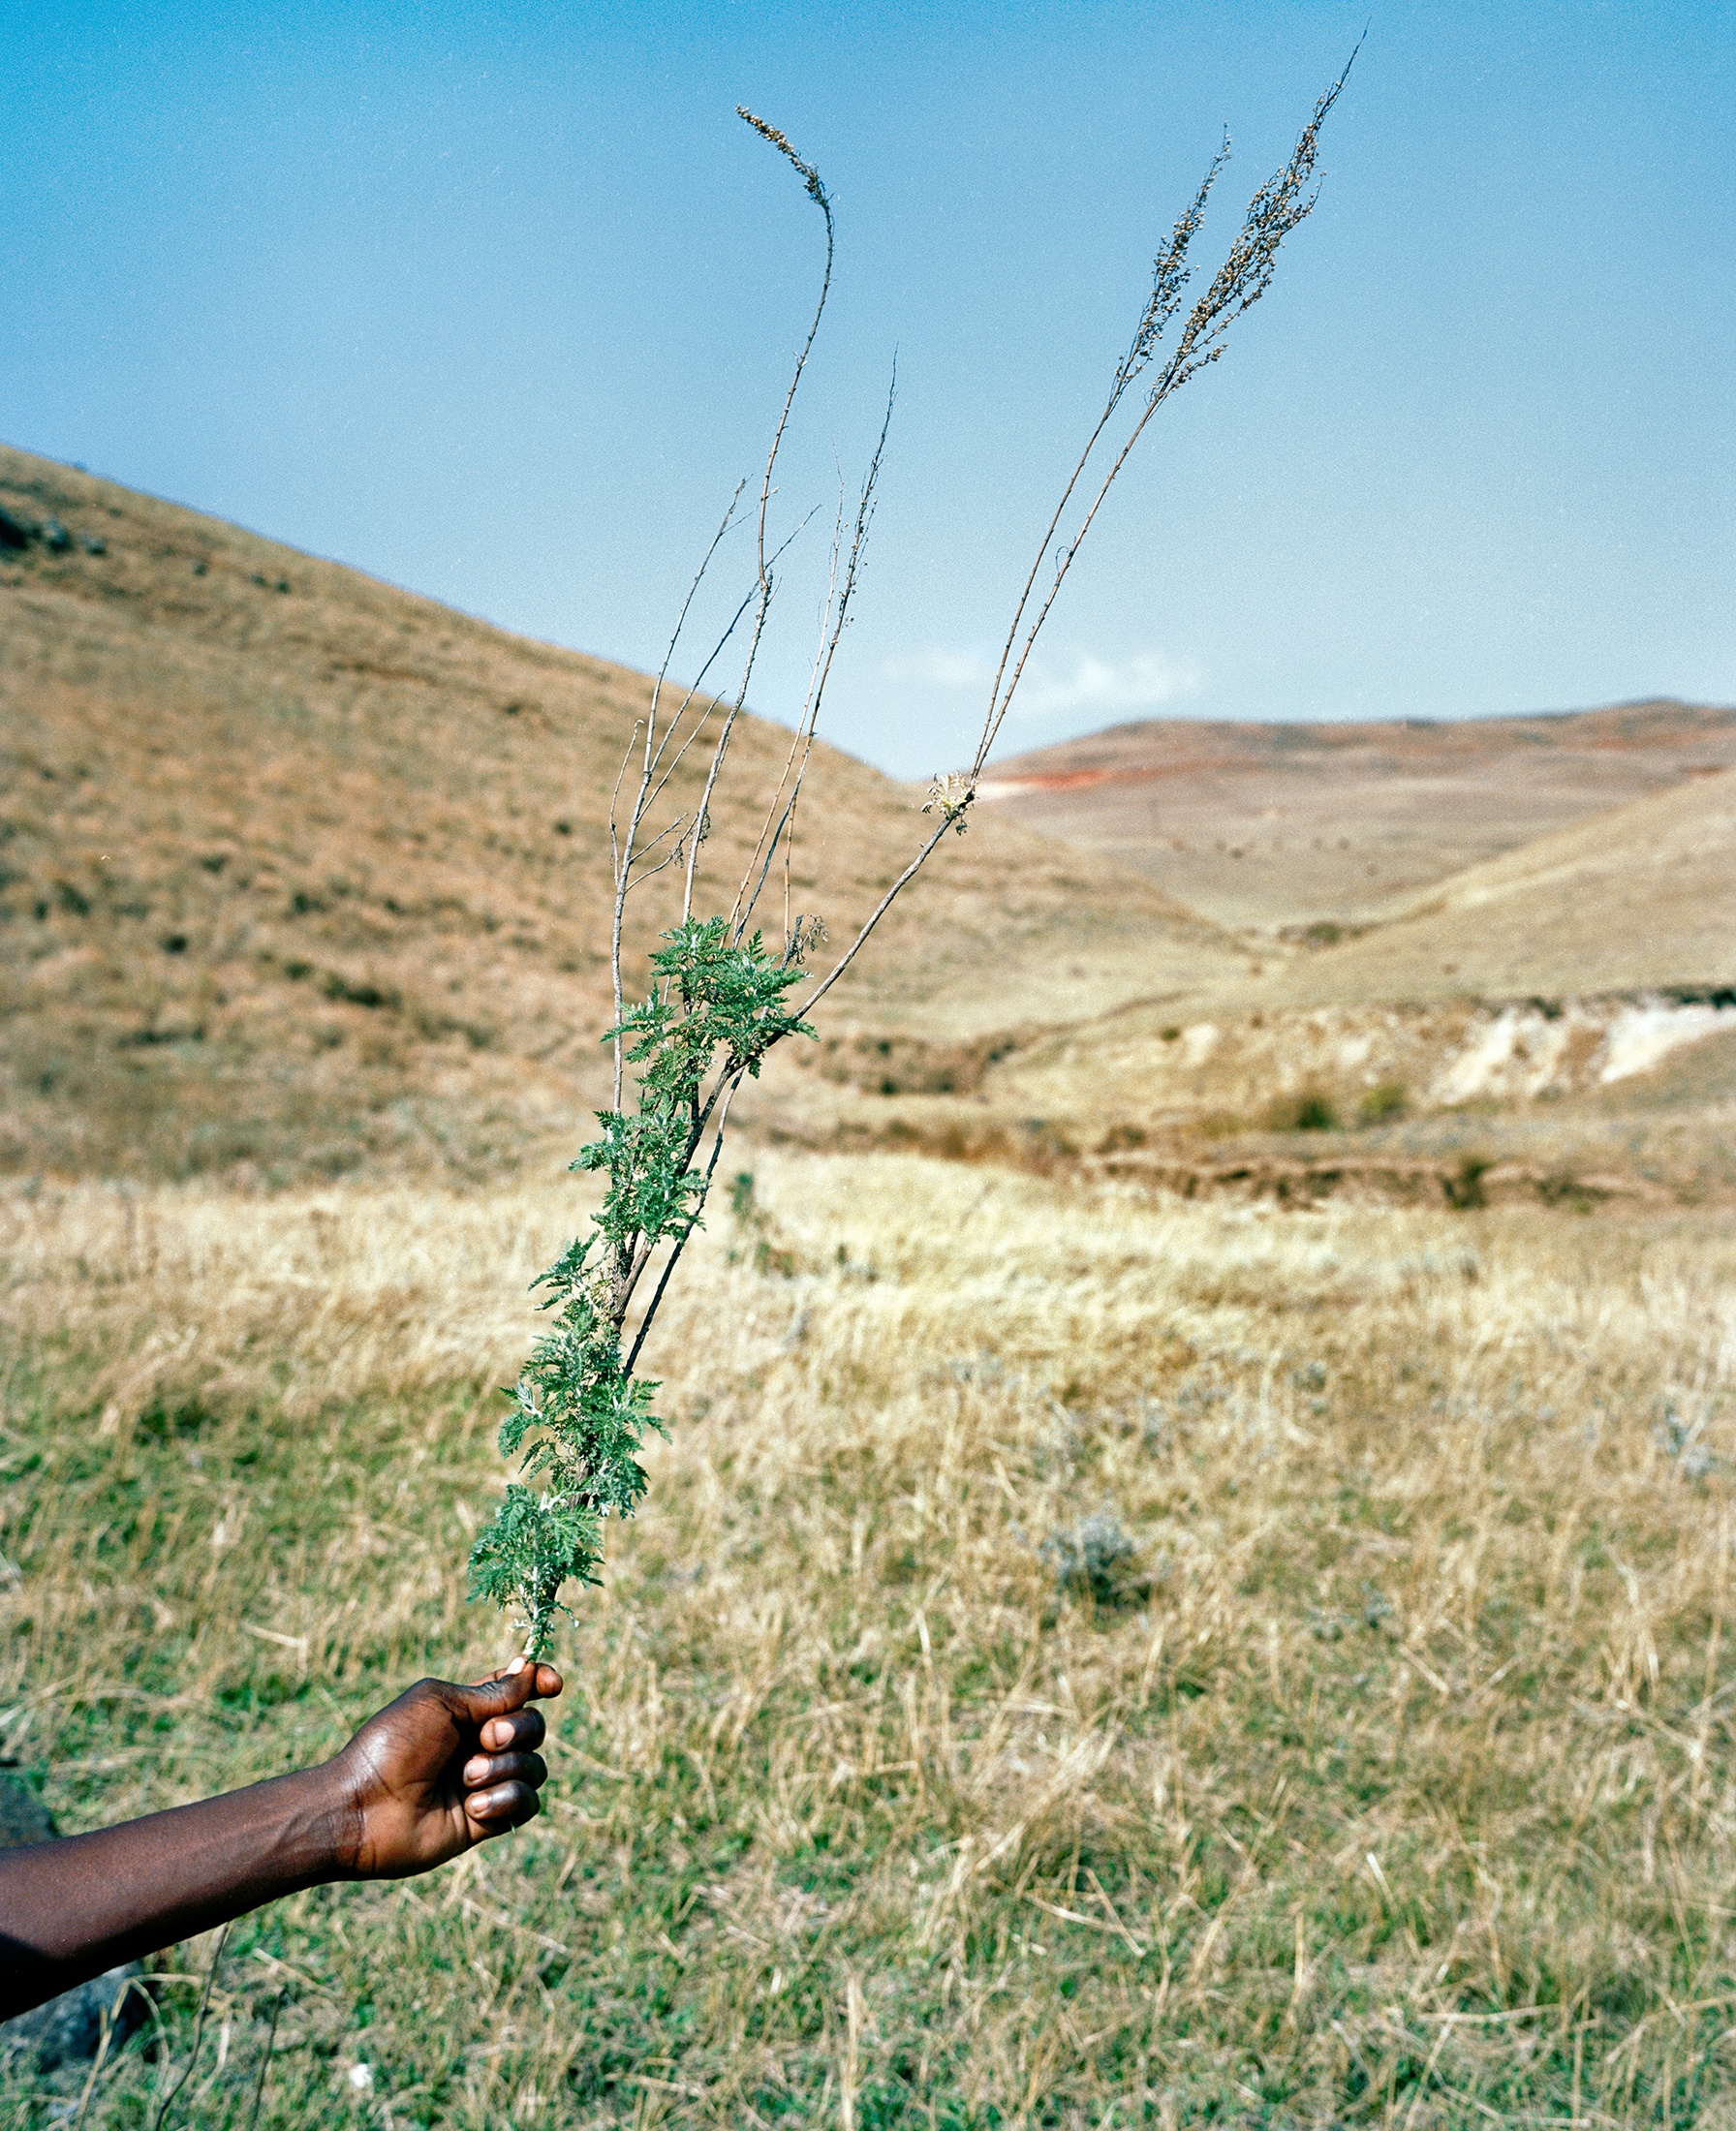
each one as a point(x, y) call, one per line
point(838, 616)
point(621, 867)
point(817, 192)
point(680, 1242)
point(720, 1001)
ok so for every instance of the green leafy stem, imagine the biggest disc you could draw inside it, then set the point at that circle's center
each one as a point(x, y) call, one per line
point(579, 1414)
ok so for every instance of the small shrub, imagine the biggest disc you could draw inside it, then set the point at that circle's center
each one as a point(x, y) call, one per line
point(755, 1237)
point(1096, 1559)
point(168, 1420)
point(1465, 1190)
point(1388, 1100)
point(1309, 1112)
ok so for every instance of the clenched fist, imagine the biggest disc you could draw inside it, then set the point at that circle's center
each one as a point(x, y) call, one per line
point(442, 1769)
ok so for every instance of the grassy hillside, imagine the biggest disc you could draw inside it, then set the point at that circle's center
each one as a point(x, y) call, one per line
point(1642, 896)
point(1561, 1019)
point(300, 875)
point(299, 872)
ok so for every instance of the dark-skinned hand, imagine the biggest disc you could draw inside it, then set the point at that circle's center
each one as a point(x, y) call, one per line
point(442, 1769)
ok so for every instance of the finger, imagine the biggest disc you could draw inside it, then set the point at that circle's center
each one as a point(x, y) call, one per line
point(521, 1732)
point(506, 1805)
point(485, 1770)
point(547, 1680)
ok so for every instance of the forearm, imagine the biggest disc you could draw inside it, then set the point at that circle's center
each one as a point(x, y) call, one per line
point(445, 1767)
point(72, 1908)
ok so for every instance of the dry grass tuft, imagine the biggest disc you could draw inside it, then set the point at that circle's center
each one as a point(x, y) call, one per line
point(1386, 1783)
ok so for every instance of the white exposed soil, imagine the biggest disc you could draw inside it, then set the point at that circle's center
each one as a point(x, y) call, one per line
point(1642, 1037)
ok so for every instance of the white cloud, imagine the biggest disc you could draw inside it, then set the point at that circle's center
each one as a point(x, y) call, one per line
point(1140, 683)
point(934, 666)
point(1059, 686)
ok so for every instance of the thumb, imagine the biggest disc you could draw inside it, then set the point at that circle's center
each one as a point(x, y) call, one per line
point(503, 1691)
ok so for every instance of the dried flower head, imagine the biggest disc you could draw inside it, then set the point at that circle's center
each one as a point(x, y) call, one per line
point(805, 935)
point(949, 795)
point(809, 175)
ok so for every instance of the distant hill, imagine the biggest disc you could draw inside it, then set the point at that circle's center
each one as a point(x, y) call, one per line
point(299, 872)
point(1280, 826)
point(1568, 1008)
point(1642, 898)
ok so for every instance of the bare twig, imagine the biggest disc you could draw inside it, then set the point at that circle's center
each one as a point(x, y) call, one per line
point(110, 2021)
point(668, 770)
point(622, 869)
point(198, 2029)
point(837, 615)
point(258, 2091)
point(881, 909)
point(818, 194)
point(1171, 274)
point(680, 1242)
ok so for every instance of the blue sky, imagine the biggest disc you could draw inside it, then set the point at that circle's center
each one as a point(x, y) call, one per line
point(497, 302)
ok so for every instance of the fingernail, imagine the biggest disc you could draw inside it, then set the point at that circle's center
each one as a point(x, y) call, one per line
point(518, 1665)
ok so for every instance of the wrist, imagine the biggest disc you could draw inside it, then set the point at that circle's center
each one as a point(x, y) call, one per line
point(323, 1823)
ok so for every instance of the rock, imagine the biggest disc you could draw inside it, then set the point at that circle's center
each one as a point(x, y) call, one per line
point(16, 532)
point(68, 2027)
point(23, 1817)
point(55, 536)
point(93, 543)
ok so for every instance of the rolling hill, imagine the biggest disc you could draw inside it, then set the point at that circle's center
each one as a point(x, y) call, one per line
point(1642, 897)
point(301, 874)
point(1289, 827)
point(1566, 1011)
point(298, 871)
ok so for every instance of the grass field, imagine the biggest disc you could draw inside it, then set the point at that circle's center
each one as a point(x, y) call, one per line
point(1384, 1781)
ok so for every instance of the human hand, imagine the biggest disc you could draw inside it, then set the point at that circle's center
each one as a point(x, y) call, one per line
point(441, 1770)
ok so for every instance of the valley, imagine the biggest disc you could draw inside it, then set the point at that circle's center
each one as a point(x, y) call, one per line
point(1188, 1573)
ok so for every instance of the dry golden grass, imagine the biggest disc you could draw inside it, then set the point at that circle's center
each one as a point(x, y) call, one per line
point(1389, 1785)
